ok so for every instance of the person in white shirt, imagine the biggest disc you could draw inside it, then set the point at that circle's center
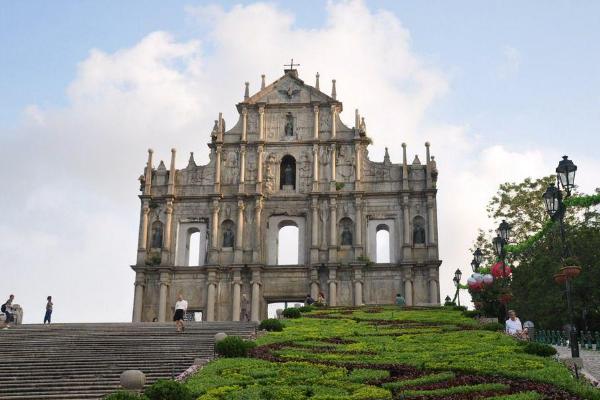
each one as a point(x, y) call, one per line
point(513, 324)
point(180, 309)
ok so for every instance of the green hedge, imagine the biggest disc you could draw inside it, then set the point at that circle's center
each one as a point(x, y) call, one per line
point(271, 325)
point(539, 349)
point(292, 312)
point(234, 346)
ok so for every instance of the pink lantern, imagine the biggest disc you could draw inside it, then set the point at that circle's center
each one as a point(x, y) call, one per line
point(477, 277)
point(471, 282)
point(499, 270)
point(488, 279)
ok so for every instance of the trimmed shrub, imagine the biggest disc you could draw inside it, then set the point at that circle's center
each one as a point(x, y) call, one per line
point(318, 305)
point(472, 313)
point(168, 390)
point(234, 346)
point(271, 325)
point(459, 308)
point(539, 349)
point(125, 395)
point(449, 304)
point(305, 309)
point(291, 312)
point(492, 326)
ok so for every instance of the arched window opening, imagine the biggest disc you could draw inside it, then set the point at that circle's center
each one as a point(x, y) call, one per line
point(288, 239)
point(156, 241)
point(346, 232)
point(193, 249)
point(287, 173)
point(419, 230)
point(228, 234)
point(382, 239)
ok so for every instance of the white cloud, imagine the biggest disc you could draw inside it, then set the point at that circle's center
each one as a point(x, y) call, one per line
point(511, 62)
point(72, 213)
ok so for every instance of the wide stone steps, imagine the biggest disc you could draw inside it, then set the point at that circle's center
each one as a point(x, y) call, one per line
point(84, 361)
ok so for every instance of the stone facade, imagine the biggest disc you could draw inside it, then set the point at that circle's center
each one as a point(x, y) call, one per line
point(289, 160)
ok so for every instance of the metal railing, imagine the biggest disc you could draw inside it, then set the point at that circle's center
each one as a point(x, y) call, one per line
point(587, 340)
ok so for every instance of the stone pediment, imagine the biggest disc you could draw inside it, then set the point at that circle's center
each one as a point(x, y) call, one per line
point(289, 90)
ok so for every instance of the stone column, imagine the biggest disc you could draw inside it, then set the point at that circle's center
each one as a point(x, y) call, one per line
point(315, 151)
point(258, 205)
point(314, 283)
point(244, 123)
point(259, 168)
point(168, 225)
point(172, 173)
point(433, 291)
point(315, 222)
point(239, 232)
point(358, 286)
point(148, 175)
point(431, 234)
point(406, 218)
point(261, 123)
point(333, 157)
point(332, 287)
point(333, 120)
point(358, 224)
point(358, 164)
point(408, 292)
point(215, 224)
point(218, 170)
point(237, 287)
point(144, 231)
point(211, 280)
point(256, 283)
point(138, 297)
point(333, 223)
point(404, 168)
point(242, 167)
point(162, 300)
point(316, 125)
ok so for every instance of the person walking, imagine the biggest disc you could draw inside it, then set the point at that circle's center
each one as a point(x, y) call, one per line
point(48, 315)
point(7, 310)
point(180, 308)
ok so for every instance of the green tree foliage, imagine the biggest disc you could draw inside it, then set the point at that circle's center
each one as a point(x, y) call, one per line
point(536, 296)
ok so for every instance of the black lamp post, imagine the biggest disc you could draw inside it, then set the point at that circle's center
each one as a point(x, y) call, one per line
point(499, 243)
point(555, 207)
point(456, 279)
point(477, 260)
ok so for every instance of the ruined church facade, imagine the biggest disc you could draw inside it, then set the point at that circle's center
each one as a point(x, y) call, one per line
point(288, 161)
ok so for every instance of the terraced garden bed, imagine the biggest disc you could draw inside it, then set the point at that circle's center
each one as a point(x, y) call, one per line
point(378, 353)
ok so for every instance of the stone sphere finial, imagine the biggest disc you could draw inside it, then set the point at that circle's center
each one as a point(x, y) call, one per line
point(426, 144)
point(150, 151)
point(403, 144)
point(220, 336)
point(133, 379)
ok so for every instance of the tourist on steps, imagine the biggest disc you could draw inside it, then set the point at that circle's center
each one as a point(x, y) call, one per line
point(514, 326)
point(49, 305)
point(180, 309)
point(309, 300)
point(7, 310)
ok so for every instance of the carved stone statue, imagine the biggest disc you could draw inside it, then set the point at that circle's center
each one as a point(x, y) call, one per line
point(288, 175)
point(289, 125)
point(346, 237)
point(157, 236)
point(418, 233)
point(228, 237)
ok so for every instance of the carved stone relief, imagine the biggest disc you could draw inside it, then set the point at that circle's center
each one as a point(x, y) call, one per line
point(305, 168)
point(229, 167)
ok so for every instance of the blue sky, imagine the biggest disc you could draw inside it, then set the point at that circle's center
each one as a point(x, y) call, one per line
point(501, 89)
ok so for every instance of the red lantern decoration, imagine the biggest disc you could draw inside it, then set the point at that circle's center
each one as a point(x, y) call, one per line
point(571, 271)
point(505, 297)
point(500, 270)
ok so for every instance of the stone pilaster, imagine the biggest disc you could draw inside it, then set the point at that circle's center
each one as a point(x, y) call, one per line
point(406, 220)
point(431, 231)
point(315, 184)
point(408, 286)
point(162, 300)
point(332, 281)
point(172, 173)
point(316, 122)
point(239, 234)
point(333, 230)
point(314, 283)
point(211, 294)
point(218, 170)
point(258, 206)
point(138, 297)
point(259, 168)
point(143, 240)
point(241, 187)
point(261, 122)
point(358, 285)
point(332, 177)
point(237, 288)
point(357, 166)
point(244, 124)
point(334, 111)
point(256, 283)
point(148, 175)
point(314, 237)
point(214, 224)
point(168, 225)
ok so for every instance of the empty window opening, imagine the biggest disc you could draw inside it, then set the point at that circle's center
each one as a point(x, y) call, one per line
point(273, 307)
point(194, 250)
point(383, 244)
point(287, 244)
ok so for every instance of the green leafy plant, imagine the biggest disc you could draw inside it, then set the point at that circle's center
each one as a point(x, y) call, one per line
point(306, 309)
point(539, 349)
point(472, 313)
point(168, 390)
point(154, 259)
point(271, 324)
point(234, 346)
point(125, 395)
point(339, 186)
point(492, 326)
point(292, 312)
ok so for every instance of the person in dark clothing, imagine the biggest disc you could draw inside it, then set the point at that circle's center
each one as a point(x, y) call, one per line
point(49, 305)
point(309, 300)
point(7, 309)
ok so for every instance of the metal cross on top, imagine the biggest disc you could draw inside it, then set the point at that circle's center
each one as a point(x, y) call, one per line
point(291, 64)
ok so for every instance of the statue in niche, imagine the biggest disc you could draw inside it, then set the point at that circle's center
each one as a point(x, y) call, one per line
point(418, 232)
point(228, 237)
point(289, 125)
point(157, 235)
point(346, 236)
point(288, 175)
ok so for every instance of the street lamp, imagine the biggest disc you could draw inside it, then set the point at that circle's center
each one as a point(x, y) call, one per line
point(477, 260)
point(555, 207)
point(456, 279)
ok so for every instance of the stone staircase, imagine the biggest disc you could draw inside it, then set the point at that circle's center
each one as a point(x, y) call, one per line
point(84, 361)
